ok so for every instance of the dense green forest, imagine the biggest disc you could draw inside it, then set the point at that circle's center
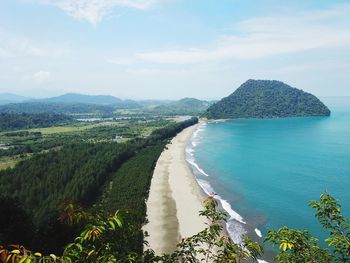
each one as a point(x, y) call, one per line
point(55, 107)
point(106, 106)
point(186, 106)
point(134, 176)
point(267, 99)
point(78, 171)
point(13, 121)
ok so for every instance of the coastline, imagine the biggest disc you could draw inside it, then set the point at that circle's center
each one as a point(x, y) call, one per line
point(175, 198)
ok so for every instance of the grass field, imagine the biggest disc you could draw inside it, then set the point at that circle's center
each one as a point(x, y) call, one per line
point(71, 128)
point(8, 162)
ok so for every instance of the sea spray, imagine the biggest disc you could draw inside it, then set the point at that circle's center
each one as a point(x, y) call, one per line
point(258, 232)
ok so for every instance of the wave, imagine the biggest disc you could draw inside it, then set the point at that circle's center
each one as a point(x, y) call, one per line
point(194, 164)
point(233, 214)
point(189, 150)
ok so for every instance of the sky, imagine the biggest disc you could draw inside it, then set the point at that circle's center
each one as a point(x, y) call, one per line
point(169, 49)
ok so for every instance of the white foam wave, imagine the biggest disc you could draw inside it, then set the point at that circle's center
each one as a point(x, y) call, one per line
point(208, 189)
point(205, 186)
point(189, 151)
point(233, 214)
point(194, 164)
point(235, 230)
point(262, 261)
point(258, 232)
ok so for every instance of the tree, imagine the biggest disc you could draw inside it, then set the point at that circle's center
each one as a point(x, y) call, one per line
point(301, 246)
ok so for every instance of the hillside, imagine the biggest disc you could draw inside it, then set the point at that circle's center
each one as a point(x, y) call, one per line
point(6, 98)
point(13, 121)
point(267, 99)
point(186, 106)
point(82, 98)
point(60, 108)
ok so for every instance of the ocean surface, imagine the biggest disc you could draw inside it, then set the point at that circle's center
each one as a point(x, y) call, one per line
point(265, 171)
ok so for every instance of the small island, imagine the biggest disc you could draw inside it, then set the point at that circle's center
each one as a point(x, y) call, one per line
point(267, 99)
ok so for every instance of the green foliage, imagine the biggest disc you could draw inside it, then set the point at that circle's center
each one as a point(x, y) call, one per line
point(15, 224)
point(16, 121)
point(267, 99)
point(171, 130)
point(128, 192)
point(328, 212)
point(186, 106)
point(79, 171)
point(105, 238)
point(301, 246)
point(57, 108)
point(297, 246)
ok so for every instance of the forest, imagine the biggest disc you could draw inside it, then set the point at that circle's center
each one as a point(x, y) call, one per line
point(78, 171)
point(13, 121)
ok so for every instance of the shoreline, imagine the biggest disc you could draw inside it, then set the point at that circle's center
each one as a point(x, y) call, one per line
point(175, 198)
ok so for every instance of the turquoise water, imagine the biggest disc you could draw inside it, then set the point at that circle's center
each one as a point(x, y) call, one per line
point(269, 169)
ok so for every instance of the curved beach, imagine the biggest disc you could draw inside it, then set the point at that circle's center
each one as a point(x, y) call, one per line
point(175, 198)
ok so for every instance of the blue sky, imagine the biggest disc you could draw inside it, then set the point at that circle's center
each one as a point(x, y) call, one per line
point(169, 49)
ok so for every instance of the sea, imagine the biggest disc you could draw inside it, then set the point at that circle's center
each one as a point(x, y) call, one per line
point(264, 172)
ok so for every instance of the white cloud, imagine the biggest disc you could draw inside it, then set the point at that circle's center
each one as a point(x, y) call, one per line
point(94, 10)
point(16, 46)
point(267, 36)
point(42, 76)
point(121, 61)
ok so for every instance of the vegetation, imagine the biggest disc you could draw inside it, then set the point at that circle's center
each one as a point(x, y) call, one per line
point(301, 246)
point(267, 99)
point(105, 106)
point(13, 121)
point(79, 170)
point(186, 106)
point(58, 108)
point(134, 176)
point(103, 240)
point(19, 145)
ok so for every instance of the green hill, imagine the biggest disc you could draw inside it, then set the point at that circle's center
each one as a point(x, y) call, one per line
point(82, 98)
point(186, 106)
point(6, 98)
point(267, 99)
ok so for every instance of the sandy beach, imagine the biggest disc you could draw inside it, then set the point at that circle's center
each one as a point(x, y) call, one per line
point(175, 198)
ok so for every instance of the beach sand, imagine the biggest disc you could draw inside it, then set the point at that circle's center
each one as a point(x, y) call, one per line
point(175, 198)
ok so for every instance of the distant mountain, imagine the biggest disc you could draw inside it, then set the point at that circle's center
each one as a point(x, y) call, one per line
point(82, 98)
point(6, 98)
point(186, 106)
point(106, 100)
point(267, 99)
point(153, 103)
point(54, 107)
